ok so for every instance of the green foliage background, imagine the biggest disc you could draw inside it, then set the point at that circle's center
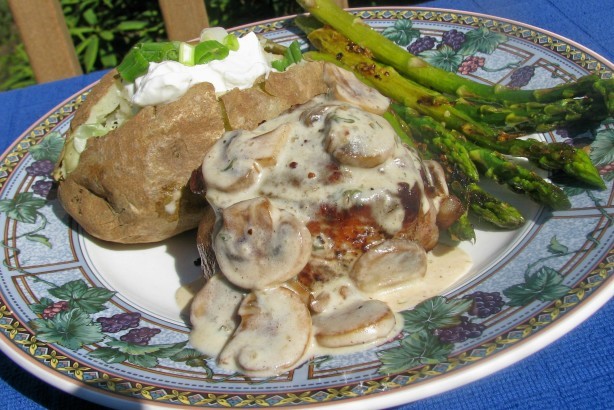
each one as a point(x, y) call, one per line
point(104, 30)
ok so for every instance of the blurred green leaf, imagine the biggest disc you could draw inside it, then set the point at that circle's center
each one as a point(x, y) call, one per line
point(91, 52)
point(80, 47)
point(109, 60)
point(90, 16)
point(88, 3)
point(131, 25)
point(80, 31)
point(106, 35)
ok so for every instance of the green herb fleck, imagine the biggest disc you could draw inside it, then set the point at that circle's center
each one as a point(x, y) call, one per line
point(292, 55)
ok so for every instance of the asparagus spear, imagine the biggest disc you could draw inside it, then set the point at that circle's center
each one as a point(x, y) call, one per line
point(389, 82)
point(423, 73)
point(461, 229)
point(491, 209)
point(432, 104)
point(517, 178)
point(491, 163)
point(442, 144)
point(532, 117)
point(482, 204)
point(606, 89)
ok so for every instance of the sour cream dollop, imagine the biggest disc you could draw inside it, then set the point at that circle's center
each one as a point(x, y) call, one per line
point(169, 80)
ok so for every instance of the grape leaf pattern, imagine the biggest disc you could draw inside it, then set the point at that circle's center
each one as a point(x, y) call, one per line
point(544, 285)
point(417, 349)
point(602, 149)
point(79, 295)
point(445, 58)
point(434, 313)
point(72, 329)
point(481, 40)
point(49, 148)
point(401, 32)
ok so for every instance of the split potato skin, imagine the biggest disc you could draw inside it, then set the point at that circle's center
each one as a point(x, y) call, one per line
point(130, 186)
point(124, 180)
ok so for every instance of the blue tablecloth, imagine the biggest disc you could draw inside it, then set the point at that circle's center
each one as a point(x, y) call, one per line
point(574, 372)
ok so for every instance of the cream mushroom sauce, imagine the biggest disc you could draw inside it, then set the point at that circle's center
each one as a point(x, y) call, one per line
point(325, 220)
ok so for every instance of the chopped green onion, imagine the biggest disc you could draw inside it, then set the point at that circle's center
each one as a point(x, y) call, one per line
point(292, 55)
point(209, 50)
point(138, 58)
point(231, 41)
point(133, 65)
point(136, 62)
point(295, 51)
point(161, 51)
point(213, 33)
point(186, 54)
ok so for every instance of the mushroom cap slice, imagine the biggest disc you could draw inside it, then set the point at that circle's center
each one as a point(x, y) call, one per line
point(388, 265)
point(274, 334)
point(260, 245)
point(214, 315)
point(235, 160)
point(204, 243)
point(357, 138)
point(359, 323)
point(344, 86)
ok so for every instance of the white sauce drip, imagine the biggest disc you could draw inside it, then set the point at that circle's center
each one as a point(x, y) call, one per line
point(446, 266)
point(298, 180)
point(289, 161)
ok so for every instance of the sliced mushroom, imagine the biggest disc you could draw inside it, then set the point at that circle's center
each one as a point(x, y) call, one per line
point(388, 265)
point(450, 209)
point(329, 293)
point(358, 138)
point(313, 115)
point(344, 86)
point(204, 243)
point(359, 323)
point(214, 315)
point(435, 179)
point(260, 245)
point(274, 334)
point(236, 159)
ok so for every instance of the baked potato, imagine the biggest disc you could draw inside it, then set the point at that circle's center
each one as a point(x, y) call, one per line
point(123, 172)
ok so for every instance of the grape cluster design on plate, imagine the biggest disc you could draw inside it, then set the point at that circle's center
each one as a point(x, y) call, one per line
point(484, 304)
point(421, 45)
point(41, 168)
point(78, 316)
point(521, 76)
point(113, 324)
point(453, 38)
point(457, 51)
point(140, 336)
point(128, 320)
point(471, 64)
point(52, 310)
point(119, 322)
